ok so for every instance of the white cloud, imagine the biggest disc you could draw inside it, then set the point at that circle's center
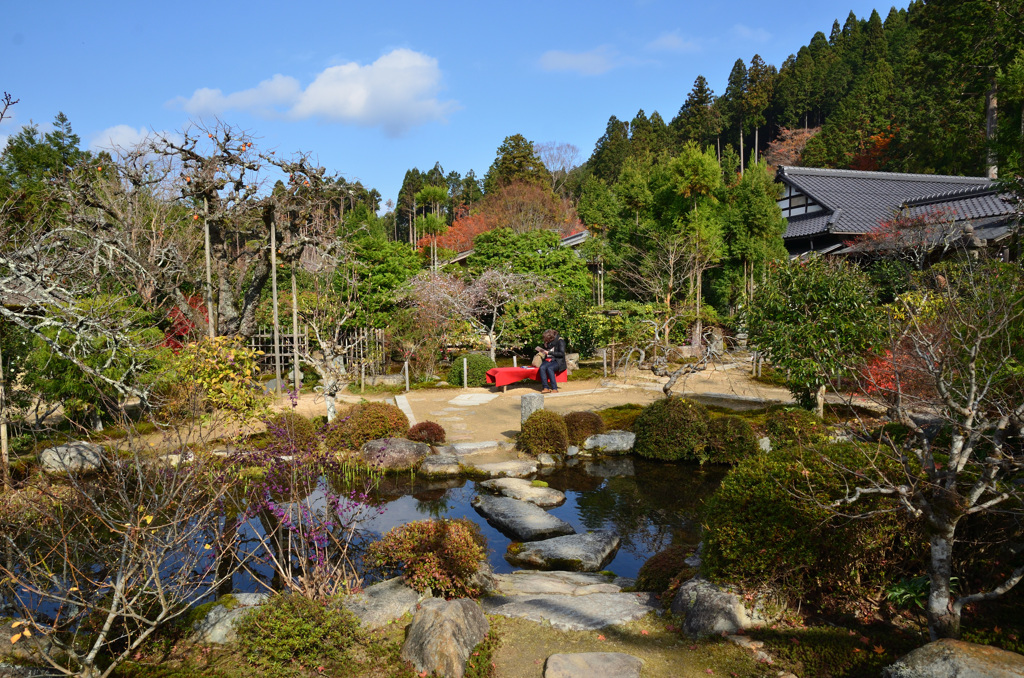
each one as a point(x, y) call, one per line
point(396, 92)
point(3, 141)
point(673, 42)
point(594, 62)
point(118, 136)
point(751, 34)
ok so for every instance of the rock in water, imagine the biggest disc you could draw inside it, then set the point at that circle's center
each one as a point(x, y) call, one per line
point(380, 603)
point(393, 454)
point(442, 634)
point(519, 520)
point(588, 552)
point(76, 456)
point(592, 665)
point(611, 442)
point(506, 469)
point(440, 465)
point(524, 490)
point(949, 658)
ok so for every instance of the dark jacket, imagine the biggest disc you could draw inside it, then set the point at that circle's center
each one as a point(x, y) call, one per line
point(556, 353)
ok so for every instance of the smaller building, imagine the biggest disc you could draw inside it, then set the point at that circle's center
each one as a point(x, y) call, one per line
point(825, 208)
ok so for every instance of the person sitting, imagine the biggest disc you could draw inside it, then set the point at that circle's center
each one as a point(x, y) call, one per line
point(553, 360)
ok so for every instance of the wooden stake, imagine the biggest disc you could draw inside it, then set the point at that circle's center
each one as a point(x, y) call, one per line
point(273, 291)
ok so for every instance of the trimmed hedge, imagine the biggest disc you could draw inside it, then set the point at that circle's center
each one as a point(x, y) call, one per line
point(365, 422)
point(794, 426)
point(544, 431)
point(672, 429)
point(766, 525)
point(476, 365)
point(582, 425)
point(730, 441)
point(428, 432)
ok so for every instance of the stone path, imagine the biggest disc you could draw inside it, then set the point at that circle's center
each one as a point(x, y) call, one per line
point(592, 665)
point(471, 399)
point(588, 552)
point(520, 520)
point(403, 404)
point(525, 490)
point(574, 613)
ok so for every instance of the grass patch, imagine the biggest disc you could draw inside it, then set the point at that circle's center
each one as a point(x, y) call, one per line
point(835, 652)
point(620, 417)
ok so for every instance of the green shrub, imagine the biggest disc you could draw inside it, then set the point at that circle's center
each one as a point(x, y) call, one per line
point(582, 425)
point(672, 429)
point(293, 430)
point(767, 524)
point(439, 555)
point(544, 431)
point(794, 426)
point(896, 432)
point(620, 417)
point(730, 440)
point(365, 422)
point(427, 432)
point(657, 573)
point(476, 365)
point(292, 631)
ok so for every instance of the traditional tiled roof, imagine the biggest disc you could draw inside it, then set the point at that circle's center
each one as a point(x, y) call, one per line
point(856, 202)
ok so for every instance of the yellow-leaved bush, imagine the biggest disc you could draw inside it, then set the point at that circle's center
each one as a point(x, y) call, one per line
point(220, 374)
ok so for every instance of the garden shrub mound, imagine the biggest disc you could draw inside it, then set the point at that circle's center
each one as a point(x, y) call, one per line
point(365, 422)
point(657, 573)
point(440, 555)
point(730, 440)
point(582, 425)
point(793, 426)
point(767, 525)
point(476, 365)
point(543, 432)
point(672, 429)
point(428, 432)
point(291, 631)
point(620, 417)
point(288, 429)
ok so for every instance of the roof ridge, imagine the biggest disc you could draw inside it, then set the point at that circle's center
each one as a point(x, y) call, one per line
point(966, 192)
point(789, 170)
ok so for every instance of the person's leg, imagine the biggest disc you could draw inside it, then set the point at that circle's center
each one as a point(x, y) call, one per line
point(547, 377)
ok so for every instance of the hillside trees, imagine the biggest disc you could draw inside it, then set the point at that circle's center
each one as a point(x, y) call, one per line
point(516, 161)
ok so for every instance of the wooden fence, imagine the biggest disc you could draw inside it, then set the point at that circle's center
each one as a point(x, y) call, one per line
point(362, 347)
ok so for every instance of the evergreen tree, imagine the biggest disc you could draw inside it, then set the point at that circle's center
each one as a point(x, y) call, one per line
point(732, 106)
point(516, 161)
point(610, 151)
point(698, 120)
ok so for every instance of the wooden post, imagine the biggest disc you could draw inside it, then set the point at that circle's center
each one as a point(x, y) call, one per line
point(465, 373)
point(514, 362)
point(406, 376)
point(209, 275)
point(295, 330)
point(604, 362)
point(273, 292)
point(362, 378)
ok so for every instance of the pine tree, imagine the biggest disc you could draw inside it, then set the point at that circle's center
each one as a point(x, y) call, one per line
point(611, 151)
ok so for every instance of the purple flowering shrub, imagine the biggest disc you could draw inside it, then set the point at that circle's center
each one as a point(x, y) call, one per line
point(440, 555)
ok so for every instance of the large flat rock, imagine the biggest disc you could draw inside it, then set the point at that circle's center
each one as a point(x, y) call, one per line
point(575, 613)
point(524, 490)
point(440, 466)
point(520, 520)
point(376, 605)
point(611, 442)
point(531, 583)
point(592, 665)
point(505, 469)
point(948, 658)
point(588, 552)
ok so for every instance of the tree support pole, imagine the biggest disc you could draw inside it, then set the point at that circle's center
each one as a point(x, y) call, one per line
point(273, 290)
point(209, 275)
point(5, 459)
point(295, 331)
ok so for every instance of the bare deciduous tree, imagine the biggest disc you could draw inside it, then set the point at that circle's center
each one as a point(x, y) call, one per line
point(560, 158)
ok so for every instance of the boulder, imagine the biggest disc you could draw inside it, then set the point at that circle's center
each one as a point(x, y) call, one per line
point(524, 490)
point(217, 625)
point(530, 403)
point(393, 454)
point(376, 605)
point(710, 610)
point(520, 520)
point(440, 465)
point(75, 456)
point(545, 459)
point(949, 658)
point(611, 442)
point(588, 552)
point(506, 469)
point(591, 664)
point(442, 634)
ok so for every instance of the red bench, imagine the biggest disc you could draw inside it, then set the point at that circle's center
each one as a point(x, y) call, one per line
point(501, 377)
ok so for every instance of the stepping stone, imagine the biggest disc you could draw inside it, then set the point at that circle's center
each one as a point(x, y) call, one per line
point(376, 605)
point(590, 664)
point(520, 520)
point(470, 399)
point(470, 448)
point(588, 552)
point(524, 490)
point(612, 442)
point(440, 465)
point(530, 583)
point(506, 469)
point(575, 613)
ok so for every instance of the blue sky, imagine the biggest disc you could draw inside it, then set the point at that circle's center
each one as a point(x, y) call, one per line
point(375, 88)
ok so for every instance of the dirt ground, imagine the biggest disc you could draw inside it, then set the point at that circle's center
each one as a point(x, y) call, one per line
point(486, 414)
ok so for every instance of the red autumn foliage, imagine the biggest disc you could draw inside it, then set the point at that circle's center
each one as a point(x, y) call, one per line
point(788, 146)
point(182, 329)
